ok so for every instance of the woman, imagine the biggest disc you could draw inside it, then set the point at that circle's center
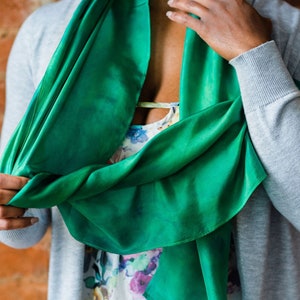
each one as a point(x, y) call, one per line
point(270, 99)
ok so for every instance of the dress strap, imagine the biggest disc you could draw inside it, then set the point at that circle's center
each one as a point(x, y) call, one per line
point(145, 104)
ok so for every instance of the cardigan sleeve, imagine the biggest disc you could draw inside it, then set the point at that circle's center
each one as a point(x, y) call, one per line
point(271, 101)
point(19, 90)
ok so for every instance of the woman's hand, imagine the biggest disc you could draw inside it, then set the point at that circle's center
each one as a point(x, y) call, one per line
point(230, 27)
point(12, 217)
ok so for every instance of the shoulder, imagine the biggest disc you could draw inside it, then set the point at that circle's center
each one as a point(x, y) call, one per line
point(286, 24)
point(40, 34)
point(49, 18)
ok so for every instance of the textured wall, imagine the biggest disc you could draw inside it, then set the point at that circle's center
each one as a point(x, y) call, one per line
point(23, 273)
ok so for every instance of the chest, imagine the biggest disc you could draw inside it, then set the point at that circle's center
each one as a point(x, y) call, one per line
point(163, 77)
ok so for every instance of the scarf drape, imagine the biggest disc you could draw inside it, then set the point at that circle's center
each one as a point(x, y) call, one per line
point(179, 192)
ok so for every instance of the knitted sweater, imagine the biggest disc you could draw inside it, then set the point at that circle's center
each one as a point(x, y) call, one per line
point(267, 233)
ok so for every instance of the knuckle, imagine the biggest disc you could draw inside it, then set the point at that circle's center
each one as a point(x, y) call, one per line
point(18, 182)
point(191, 4)
point(22, 182)
point(184, 19)
point(219, 6)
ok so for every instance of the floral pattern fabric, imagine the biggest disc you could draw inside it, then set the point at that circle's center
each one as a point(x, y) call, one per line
point(111, 276)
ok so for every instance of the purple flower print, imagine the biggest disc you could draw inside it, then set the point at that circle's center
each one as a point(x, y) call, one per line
point(150, 268)
point(153, 262)
point(137, 135)
point(139, 282)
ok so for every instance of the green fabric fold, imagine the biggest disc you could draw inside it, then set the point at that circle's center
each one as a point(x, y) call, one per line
point(180, 191)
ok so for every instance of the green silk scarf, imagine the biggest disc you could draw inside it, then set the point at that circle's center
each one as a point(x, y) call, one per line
point(179, 192)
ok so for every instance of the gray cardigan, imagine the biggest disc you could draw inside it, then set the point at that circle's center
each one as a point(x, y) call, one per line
point(267, 230)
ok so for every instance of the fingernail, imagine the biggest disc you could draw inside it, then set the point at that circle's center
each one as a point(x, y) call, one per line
point(34, 220)
point(169, 14)
point(170, 1)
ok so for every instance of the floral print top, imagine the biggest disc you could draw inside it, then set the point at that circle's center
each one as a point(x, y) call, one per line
point(109, 276)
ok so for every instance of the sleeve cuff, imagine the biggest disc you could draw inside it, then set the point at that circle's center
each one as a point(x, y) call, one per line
point(263, 76)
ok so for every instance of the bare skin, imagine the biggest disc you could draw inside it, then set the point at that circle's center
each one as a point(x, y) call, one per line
point(162, 81)
point(12, 217)
point(231, 27)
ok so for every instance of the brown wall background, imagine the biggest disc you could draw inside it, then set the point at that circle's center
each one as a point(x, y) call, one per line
point(23, 273)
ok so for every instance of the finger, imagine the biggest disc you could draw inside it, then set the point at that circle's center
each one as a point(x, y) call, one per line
point(17, 223)
point(185, 19)
point(11, 212)
point(10, 182)
point(188, 6)
point(6, 195)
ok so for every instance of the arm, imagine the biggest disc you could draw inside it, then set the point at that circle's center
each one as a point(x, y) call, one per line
point(29, 58)
point(17, 228)
point(265, 70)
point(272, 105)
point(273, 117)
